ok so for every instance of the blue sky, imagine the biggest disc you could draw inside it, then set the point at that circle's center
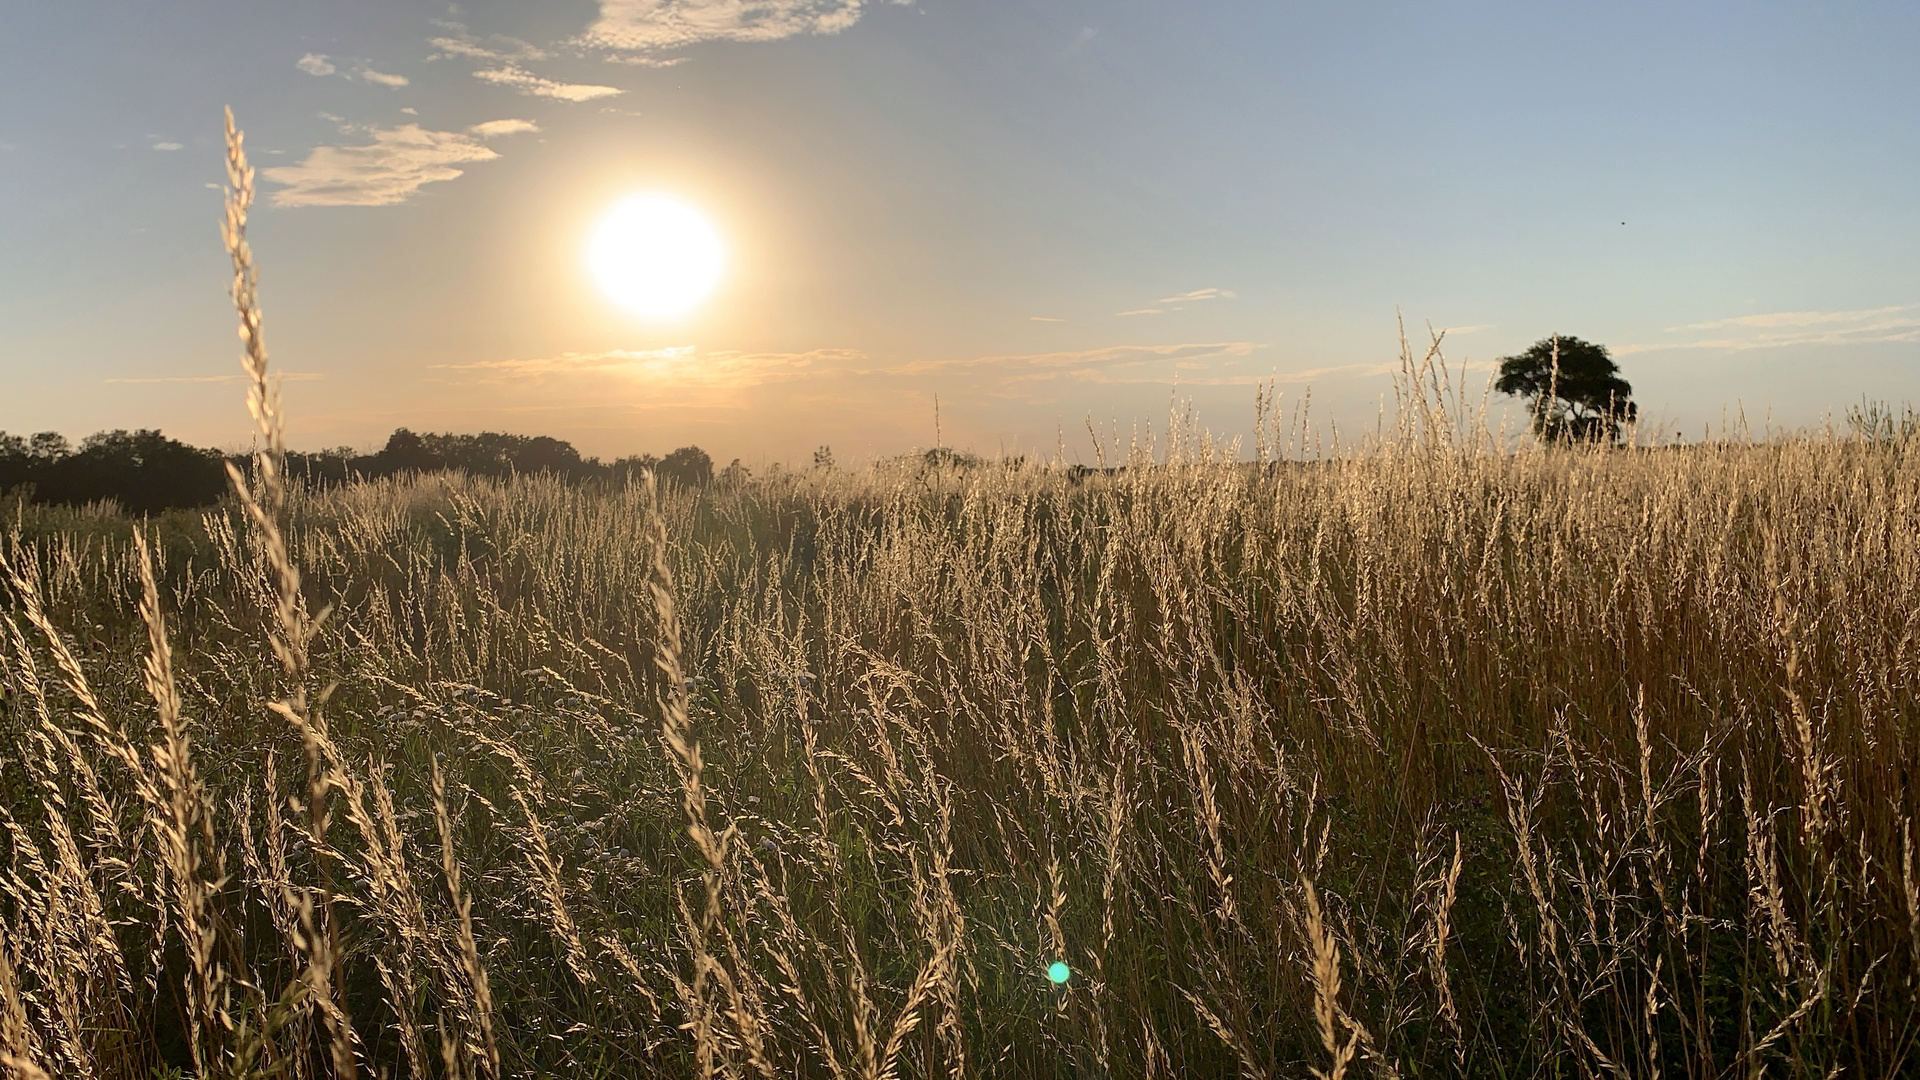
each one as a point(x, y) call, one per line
point(1039, 212)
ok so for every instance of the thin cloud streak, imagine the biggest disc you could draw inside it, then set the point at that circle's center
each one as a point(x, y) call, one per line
point(1871, 326)
point(284, 376)
point(1082, 359)
point(687, 376)
point(383, 79)
point(684, 366)
point(678, 366)
point(498, 47)
point(526, 82)
point(1198, 295)
point(392, 169)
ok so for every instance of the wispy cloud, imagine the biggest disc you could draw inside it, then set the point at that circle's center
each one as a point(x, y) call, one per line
point(320, 65)
point(641, 27)
point(686, 376)
point(167, 146)
point(1180, 302)
point(1114, 363)
point(1870, 326)
point(526, 82)
point(678, 366)
point(1198, 295)
point(286, 376)
point(390, 170)
point(1044, 318)
point(496, 48)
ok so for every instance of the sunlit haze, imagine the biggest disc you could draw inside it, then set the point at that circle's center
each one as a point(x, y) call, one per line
point(761, 228)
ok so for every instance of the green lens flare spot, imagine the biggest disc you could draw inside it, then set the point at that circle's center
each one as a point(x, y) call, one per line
point(1058, 973)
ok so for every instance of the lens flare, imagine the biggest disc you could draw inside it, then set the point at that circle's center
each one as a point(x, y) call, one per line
point(1058, 973)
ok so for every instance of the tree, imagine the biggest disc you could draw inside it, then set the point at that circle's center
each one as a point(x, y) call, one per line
point(406, 452)
point(143, 471)
point(1573, 389)
point(689, 466)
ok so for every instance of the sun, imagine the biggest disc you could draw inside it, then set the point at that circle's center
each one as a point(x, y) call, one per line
point(655, 255)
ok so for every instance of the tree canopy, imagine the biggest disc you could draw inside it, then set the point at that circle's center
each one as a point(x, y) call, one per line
point(1573, 390)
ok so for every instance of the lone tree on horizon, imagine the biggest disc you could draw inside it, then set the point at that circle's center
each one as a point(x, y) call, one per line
point(1573, 389)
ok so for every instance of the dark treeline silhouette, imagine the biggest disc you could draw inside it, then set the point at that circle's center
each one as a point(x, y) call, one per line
point(143, 471)
point(146, 472)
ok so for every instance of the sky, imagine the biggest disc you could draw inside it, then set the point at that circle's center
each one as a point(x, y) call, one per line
point(1043, 215)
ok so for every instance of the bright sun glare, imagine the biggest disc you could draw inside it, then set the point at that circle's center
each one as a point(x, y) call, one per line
point(655, 255)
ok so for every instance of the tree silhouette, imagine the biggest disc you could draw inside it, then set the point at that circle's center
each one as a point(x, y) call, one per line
point(1573, 389)
point(688, 465)
point(143, 471)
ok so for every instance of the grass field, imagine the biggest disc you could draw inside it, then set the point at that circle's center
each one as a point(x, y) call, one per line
point(1430, 758)
point(1420, 762)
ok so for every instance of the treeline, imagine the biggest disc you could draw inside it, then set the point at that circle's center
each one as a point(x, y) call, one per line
point(146, 472)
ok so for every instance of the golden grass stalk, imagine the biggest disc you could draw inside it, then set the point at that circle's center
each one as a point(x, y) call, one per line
point(1325, 970)
point(192, 855)
point(293, 631)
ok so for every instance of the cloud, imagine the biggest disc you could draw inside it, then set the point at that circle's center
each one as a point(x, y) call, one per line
point(683, 376)
point(1198, 295)
point(1044, 318)
point(285, 376)
point(167, 146)
point(1138, 311)
point(1080, 40)
point(372, 76)
point(1114, 363)
point(315, 64)
point(496, 48)
point(1870, 326)
point(390, 170)
point(526, 82)
point(493, 128)
point(646, 26)
point(678, 366)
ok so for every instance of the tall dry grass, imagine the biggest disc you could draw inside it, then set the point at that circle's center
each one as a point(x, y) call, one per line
point(1425, 758)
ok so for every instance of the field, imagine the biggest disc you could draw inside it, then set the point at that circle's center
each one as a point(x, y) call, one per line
point(1423, 760)
point(1434, 755)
